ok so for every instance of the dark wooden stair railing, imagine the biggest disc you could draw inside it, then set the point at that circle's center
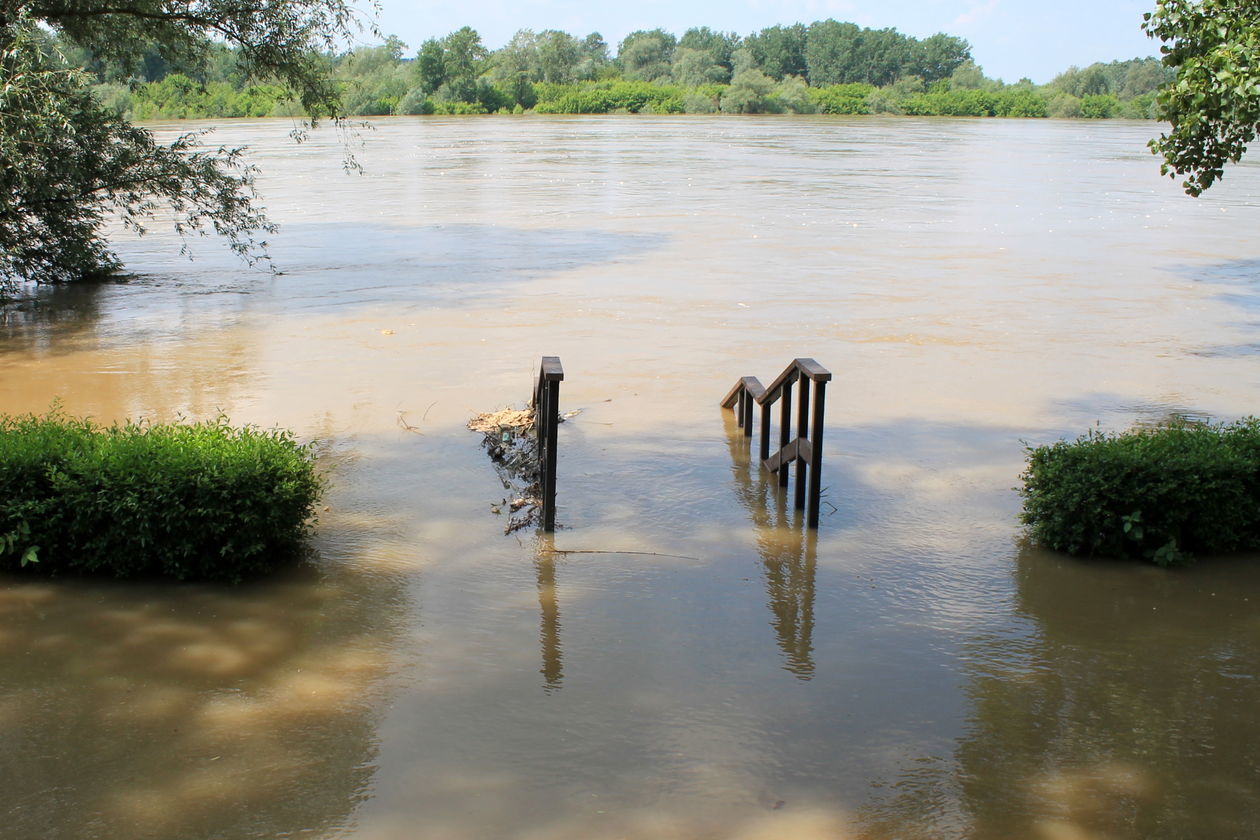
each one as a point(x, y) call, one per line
point(804, 450)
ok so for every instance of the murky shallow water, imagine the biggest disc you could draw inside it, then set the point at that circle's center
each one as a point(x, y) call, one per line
point(914, 671)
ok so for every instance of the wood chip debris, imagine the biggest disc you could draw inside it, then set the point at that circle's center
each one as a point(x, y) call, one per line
point(509, 439)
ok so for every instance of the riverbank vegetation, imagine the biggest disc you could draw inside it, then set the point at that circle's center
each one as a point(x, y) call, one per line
point(204, 501)
point(1162, 494)
point(826, 67)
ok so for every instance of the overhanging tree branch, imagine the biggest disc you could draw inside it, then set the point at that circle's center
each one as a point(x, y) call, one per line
point(1213, 104)
point(66, 163)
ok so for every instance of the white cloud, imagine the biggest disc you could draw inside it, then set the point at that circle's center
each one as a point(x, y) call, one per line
point(976, 13)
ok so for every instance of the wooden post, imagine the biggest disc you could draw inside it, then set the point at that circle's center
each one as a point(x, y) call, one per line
point(764, 449)
point(548, 408)
point(816, 441)
point(785, 427)
point(802, 433)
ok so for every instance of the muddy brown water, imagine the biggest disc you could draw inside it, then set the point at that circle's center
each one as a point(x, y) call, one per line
point(693, 667)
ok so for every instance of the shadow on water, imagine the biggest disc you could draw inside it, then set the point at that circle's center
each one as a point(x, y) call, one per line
point(1125, 709)
point(1239, 282)
point(161, 710)
point(1112, 411)
point(335, 266)
point(789, 551)
point(324, 269)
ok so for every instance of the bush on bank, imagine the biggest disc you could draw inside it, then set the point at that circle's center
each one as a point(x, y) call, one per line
point(1162, 494)
point(202, 501)
point(178, 97)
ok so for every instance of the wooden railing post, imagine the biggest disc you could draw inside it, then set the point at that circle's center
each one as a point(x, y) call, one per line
point(815, 460)
point(802, 433)
point(764, 449)
point(546, 423)
point(785, 427)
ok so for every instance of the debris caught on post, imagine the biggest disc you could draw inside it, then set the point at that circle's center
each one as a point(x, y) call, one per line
point(509, 438)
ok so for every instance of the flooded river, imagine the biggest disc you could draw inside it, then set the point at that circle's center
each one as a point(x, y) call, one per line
point(681, 662)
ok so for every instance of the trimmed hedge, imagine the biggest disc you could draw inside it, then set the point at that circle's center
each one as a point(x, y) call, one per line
point(1163, 493)
point(188, 500)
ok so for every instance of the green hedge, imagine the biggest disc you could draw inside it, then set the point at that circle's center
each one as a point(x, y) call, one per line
point(976, 103)
point(1163, 493)
point(189, 501)
point(841, 99)
point(605, 97)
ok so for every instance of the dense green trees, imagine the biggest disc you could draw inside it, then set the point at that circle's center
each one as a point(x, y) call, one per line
point(647, 56)
point(1214, 103)
point(827, 67)
point(1117, 89)
point(779, 51)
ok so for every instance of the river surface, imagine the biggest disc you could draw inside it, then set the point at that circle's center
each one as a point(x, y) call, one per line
point(680, 662)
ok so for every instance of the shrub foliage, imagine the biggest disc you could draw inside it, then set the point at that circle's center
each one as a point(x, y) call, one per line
point(1162, 493)
point(189, 501)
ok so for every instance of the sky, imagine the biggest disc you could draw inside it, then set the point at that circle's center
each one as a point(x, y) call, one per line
point(1010, 39)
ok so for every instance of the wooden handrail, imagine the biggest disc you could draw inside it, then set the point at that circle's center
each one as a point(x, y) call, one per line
point(751, 384)
point(552, 370)
point(798, 368)
point(805, 450)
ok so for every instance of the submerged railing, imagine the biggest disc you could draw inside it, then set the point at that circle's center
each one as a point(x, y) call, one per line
point(546, 404)
point(805, 449)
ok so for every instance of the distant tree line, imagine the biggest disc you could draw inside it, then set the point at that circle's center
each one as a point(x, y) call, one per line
point(825, 67)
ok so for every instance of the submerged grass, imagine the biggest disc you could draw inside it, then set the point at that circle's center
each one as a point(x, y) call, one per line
point(206, 501)
point(1161, 493)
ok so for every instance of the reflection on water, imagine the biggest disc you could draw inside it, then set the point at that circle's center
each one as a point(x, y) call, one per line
point(51, 319)
point(1113, 721)
point(709, 668)
point(1102, 717)
point(788, 549)
point(549, 614)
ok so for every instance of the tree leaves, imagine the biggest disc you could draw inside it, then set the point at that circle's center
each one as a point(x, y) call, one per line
point(67, 163)
point(1214, 103)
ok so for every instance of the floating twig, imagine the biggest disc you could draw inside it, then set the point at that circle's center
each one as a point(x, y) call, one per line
point(402, 422)
point(601, 551)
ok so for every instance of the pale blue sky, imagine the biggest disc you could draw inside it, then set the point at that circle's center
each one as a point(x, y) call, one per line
point(1009, 38)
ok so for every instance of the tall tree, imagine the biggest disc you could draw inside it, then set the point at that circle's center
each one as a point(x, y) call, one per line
point(67, 164)
point(463, 55)
point(558, 56)
point(938, 56)
point(718, 45)
point(647, 55)
point(594, 55)
point(831, 50)
point(696, 67)
point(779, 51)
point(1213, 104)
point(430, 65)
